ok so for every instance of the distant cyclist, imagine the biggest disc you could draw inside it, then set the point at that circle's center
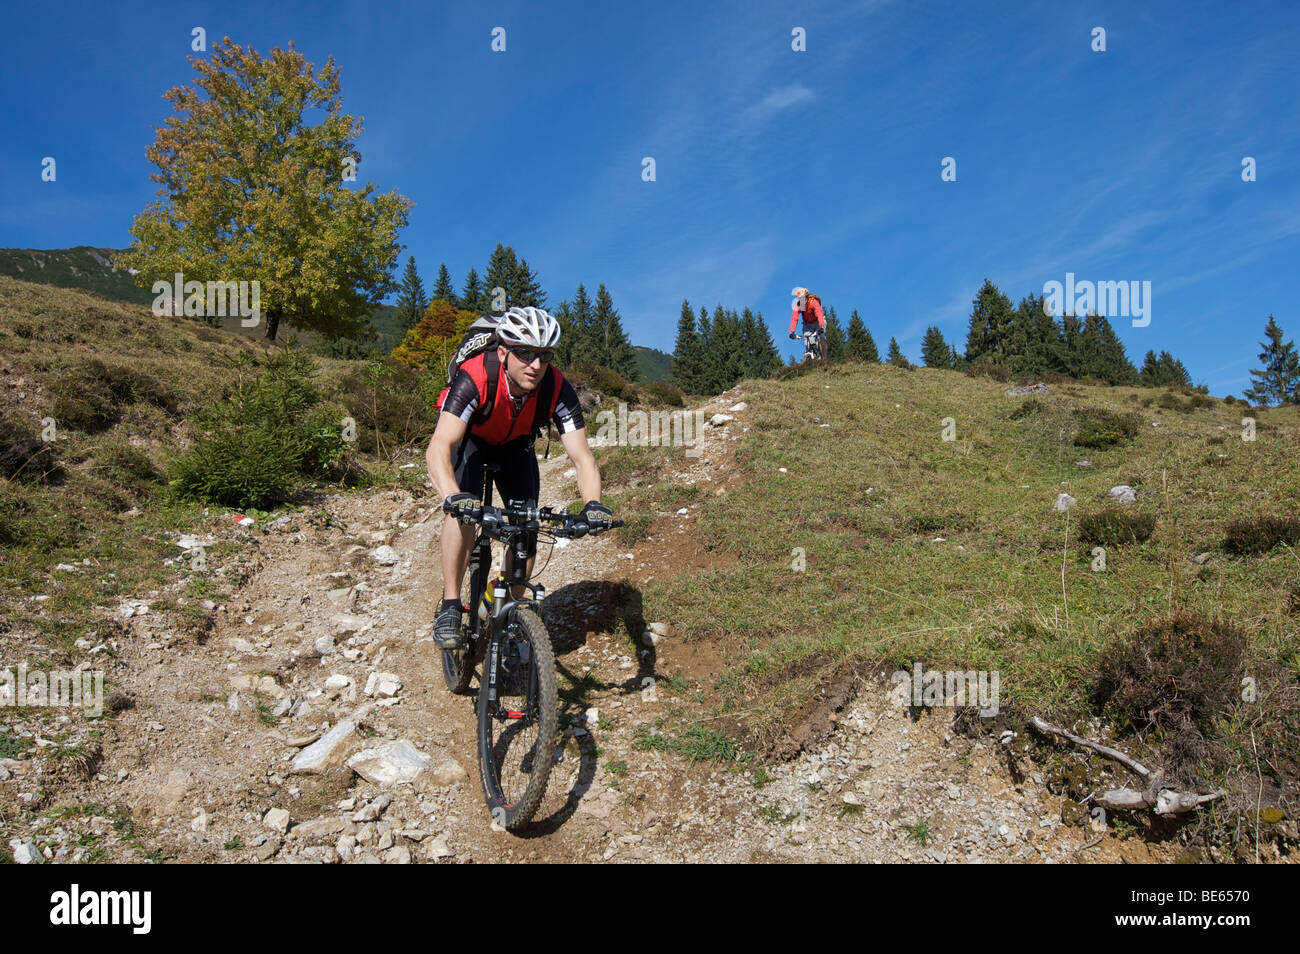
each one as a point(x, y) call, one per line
point(489, 412)
point(809, 307)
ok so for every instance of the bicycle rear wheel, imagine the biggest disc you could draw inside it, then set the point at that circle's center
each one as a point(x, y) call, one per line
point(458, 664)
point(517, 719)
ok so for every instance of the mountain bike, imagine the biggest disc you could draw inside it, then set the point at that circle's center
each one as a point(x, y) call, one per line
point(517, 708)
point(812, 344)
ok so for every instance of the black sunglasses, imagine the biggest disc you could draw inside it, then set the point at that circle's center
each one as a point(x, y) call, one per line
point(529, 355)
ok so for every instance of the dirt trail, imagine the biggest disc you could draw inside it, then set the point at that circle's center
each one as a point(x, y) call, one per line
point(205, 754)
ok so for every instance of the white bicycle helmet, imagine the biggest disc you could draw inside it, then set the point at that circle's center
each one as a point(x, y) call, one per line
point(528, 327)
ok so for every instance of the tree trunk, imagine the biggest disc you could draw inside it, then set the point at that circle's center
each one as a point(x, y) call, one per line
point(272, 323)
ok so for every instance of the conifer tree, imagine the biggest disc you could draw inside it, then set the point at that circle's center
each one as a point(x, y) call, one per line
point(934, 350)
point(860, 343)
point(525, 288)
point(687, 355)
point(835, 345)
point(410, 297)
point(896, 355)
point(1278, 381)
point(443, 289)
point(472, 299)
point(990, 322)
point(615, 350)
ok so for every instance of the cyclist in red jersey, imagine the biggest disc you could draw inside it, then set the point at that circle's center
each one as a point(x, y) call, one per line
point(466, 438)
point(809, 307)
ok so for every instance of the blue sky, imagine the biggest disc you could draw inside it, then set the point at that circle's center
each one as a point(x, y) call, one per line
point(774, 168)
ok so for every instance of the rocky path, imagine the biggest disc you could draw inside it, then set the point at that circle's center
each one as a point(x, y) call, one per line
point(311, 725)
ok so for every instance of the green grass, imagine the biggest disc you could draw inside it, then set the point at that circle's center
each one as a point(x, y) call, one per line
point(878, 592)
point(919, 831)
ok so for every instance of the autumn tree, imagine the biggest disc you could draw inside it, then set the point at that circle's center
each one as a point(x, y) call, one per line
point(434, 339)
point(251, 192)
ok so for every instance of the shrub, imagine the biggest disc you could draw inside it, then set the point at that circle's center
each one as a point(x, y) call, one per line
point(90, 396)
point(24, 456)
point(1029, 406)
point(1261, 534)
point(126, 468)
point(254, 447)
point(1175, 675)
point(988, 369)
point(1099, 428)
point(598, 378)
point(1229, 399)
point(1116, 526)
point(392, 403)
point(661, 392)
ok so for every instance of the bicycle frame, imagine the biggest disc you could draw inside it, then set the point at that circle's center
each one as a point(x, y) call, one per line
point(485, 636)
point(812, 344)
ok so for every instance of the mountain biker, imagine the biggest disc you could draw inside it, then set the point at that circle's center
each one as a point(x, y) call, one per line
point(459, 448)
point(809, 306)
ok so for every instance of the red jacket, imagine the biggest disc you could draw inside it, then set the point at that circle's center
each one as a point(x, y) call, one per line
point(505, 424)
point(814, 310)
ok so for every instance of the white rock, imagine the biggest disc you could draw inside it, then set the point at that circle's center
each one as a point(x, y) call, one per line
point(436, 848)
point(349, 623)
point(718, 420)
point(741, 406)
point(384, 556)
point(337, 681)
point(394, 763)
point(200, 822)
point(1064, 502)
point(329, 750)
point(782, 470)
point(683, 512)
point(1122, 493)
point(278, 819)
point(25, 852)
point(324, 645)
point(373, 809)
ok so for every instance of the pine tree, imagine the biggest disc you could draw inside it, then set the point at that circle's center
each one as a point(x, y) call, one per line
point(615, 349)
point(443, 289)
point(471, 299)
point(525, 288)
point(564, 350)
point(410, 297)
point(934, 350)
point(860, 343)
point(728, 349)
point(1112, 363)
point(896, 355)
point(501, 270)
point(687, 355)
point(765, 359)
point(710, 367)
point(836, 350)
point(990, 322)
point(1071, 350)
point(1163, 370)
point(1033, 340)
point(584, 344)
point(1278, 382)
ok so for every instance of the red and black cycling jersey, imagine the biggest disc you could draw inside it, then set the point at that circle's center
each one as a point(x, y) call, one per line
point(511, 418)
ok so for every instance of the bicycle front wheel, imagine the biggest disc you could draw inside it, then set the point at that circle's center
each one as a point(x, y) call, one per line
point(517, 719)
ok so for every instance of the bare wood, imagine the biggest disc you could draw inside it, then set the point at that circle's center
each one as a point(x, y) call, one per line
point(1042, 725)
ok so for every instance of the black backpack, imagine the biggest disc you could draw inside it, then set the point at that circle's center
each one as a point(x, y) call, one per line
point(482, 339)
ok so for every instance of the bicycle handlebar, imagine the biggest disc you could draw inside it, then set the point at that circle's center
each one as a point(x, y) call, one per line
point(494, 519)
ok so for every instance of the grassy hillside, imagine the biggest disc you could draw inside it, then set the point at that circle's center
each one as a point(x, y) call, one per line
point(654, 365)
point(83, 267)
point(949, 553)
point(119, 391)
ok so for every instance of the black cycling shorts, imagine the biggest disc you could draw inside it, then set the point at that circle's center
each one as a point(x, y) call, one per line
point(518, 478)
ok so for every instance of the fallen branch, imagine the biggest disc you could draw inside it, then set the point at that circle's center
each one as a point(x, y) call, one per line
point(1163, 801)
point(1042, 725)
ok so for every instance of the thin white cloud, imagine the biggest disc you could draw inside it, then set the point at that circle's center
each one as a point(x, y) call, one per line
point(780, 99)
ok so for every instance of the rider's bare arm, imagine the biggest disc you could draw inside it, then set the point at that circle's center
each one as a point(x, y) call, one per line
point(449, 432)
point(584, 461)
